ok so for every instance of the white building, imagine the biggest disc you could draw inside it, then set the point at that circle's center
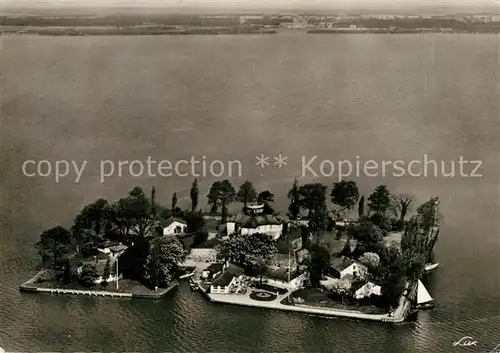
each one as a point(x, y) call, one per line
point(367, 290)
point(255, 222)
point(175, 226)
point(344, 268)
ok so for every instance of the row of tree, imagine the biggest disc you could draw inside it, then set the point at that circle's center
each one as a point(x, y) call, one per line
point(134, 219)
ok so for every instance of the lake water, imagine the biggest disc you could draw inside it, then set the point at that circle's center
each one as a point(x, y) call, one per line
point(337, 97)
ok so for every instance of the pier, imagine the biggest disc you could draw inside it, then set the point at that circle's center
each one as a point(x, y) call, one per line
point(31, 287)
point(93, 293)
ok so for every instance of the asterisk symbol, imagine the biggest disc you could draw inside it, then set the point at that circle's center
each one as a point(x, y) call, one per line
point(280, 161)
point(262, 161)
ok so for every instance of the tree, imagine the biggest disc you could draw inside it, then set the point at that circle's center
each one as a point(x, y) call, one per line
point(132, 261)
point(162, 263)
point(174, 201)
point(312, 197)
point(132, 214)
point(53, 244)
point(293, 196)
point(366, 233)
point(199, 237)
point(345, 194)
point(361, 207)
point(227, 195)
point(94, 218)
point(414, 264)
point(392, 288)
point(304, 236)
point(260, 267)
point(382, 221)
point(248, 251)
point(221, 193)
point(429, 213)
point(401, 205)
point(67, 272)
point(341, 287)
point(266, 197)
point(380, 200)
point(214, 196)
point(370, 260)
point(318, 219)
point(246, 193)
point(91, 238)
point(415, 238)
point(317, 262)
point(89, 275)
point(346, 250)
point(106, 273)
point(153, 202)
point(391, 256)
point(194, 221)
point(194, 195)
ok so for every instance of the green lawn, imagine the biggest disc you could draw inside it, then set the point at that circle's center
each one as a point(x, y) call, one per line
point(315, 297)
point(329, 239)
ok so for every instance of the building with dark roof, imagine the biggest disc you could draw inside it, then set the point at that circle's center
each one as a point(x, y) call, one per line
point(212, 271)
point(255, 221)
point(223, 283)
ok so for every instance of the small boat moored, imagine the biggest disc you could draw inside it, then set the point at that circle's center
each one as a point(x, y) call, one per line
point(187, 275)
point(430, 267)
point(193, 284)
point(424, 299)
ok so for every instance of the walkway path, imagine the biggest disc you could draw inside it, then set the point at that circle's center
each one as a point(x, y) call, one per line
point(245, 300)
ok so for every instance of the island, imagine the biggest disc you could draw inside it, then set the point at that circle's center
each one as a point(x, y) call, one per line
point(316, 259)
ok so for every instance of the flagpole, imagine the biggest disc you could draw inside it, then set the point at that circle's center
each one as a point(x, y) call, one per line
point(288, 266)
point(117, 272)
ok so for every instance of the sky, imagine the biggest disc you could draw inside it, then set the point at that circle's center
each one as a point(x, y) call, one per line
point(256, 4)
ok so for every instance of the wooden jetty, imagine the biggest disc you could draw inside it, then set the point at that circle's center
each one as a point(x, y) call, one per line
point(93, 293)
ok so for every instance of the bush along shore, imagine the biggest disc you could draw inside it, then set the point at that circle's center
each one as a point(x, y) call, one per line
point(136, 247)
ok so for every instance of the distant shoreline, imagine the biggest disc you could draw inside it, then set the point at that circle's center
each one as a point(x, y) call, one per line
point(133, 31)
point(389, 31)
point(103, 31)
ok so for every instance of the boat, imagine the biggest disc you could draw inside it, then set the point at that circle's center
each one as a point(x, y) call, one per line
point(424, 299)
point(192, 284)
point(431, 267)
point(187, 275)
